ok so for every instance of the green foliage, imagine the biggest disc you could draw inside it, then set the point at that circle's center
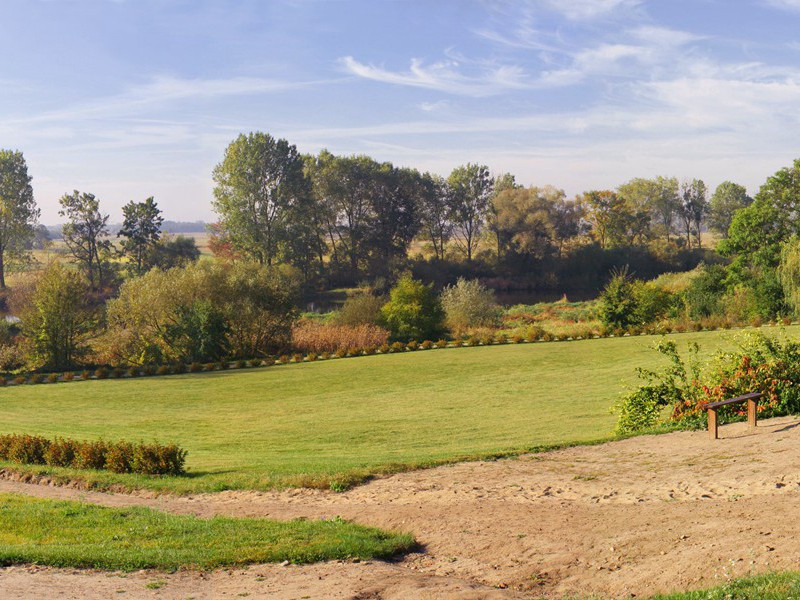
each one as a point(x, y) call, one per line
point(471, 191)
point(789, 272)
point(85, 234)
point(18, 212)
point(170, 252)
point(56, 318)
point(642, 408)
point(141, 228)
point(618, 301)
point(413, 311)
point(469, 304)
point(705, 292)
point(728, 198)
point(362, 308)
point(199, 333)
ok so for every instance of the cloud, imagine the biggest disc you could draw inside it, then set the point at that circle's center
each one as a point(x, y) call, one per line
point(784, 4)
point(589, 9)
point(434, 106)
point(444, 76)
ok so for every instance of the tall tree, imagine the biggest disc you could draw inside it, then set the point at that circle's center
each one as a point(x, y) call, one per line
point(141, 228)
point(503, 182)
point(472, 188)
point(435, 208)
point(524, 221)
point(693, 209)
point(614, 222)
point(659, 197)
point(260, 183)
point(18, 212)
point(84, 234)
point(727, 199)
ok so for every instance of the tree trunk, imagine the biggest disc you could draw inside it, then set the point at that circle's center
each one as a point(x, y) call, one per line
point(2, 270)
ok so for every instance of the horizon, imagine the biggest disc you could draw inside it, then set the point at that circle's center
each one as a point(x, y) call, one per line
point(141, 99)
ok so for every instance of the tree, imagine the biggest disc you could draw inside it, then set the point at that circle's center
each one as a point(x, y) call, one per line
point(470, 304)
point(413, 311)
point(567, 219)
point(614, 222)
point(57, 319)
point(694, 209)
point(436, 212)
point(84, 234)
point(141, 226)
point(471, 192)
point(260, 183)
point(170, 252)
point(18, 212)
point(659, 197)
point(789, 272)
point(727, 199)
point(522, 220)
point(503, 182)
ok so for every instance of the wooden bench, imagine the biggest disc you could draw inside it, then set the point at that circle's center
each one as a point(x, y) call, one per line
point(752, 409)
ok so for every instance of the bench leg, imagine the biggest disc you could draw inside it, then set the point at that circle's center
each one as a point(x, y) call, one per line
point(752, 409)
point(712, 423)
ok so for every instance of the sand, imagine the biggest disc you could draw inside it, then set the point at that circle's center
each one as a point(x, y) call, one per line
point(635, 517)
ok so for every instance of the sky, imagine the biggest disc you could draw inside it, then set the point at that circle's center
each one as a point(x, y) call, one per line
point(128, 99)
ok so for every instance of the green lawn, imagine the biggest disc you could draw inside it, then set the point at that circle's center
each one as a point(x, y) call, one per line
point(73, 534)
point(777, 586)
point(335, 421)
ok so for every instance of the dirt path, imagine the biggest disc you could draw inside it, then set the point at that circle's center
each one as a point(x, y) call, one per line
point(640, 516)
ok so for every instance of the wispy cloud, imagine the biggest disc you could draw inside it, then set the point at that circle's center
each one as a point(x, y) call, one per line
point(589, 9)
point(785, 4)
point(444, 76)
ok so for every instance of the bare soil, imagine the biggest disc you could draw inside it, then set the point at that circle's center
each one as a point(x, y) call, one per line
point(636, 517)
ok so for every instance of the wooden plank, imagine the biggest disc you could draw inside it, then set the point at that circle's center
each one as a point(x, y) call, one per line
point(752, 410)
point(712, 423)
point(745, 398)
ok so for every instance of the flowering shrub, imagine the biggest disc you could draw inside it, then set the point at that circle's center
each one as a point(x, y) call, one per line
point(760, 364)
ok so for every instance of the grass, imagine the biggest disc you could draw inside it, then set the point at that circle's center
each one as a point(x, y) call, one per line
point(332, 423)
point(73, 534)
point(776, 586)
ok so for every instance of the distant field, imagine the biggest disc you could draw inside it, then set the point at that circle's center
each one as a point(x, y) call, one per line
point(335, 421)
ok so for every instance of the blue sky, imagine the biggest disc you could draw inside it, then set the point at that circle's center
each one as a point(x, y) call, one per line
point(128, 99)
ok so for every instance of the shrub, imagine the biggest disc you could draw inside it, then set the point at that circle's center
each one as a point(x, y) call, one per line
point(501, 338)
point(240, 364)
point(195, 367)
point(134, 371)
point(163, 370)
point(157, 459)
point(412, 345)
point(224, 365)
point(101, 373)
point(533, 333)
point(52, 378)
point(19, 380)
point(426, 345)
point(297, 357)
point(355, 352)
point(413, 311)
point(179, 368)
point(311, 357)
point(36, 378)
point(117, 372)
point(28, 449)
point(256, 362)
point(397, 347)
point(268, 362)
point(284, 359)
point(441, 343)
point(362, 308)
point(617, 301)
point(325, 355)
point(309, 336)
point(384, 349)
point(3, 381)
point(60, 453)
point(705, 292)
point(90, 455)
point(469, 304)
point(148, 370)
point(118, 457)
point(340, 353)
point(517, 339)
point(369, 350)
point(85, 375)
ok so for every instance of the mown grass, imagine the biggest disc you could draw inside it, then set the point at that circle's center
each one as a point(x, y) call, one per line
point(74, 534)
point(776, 586)
point(336, 422)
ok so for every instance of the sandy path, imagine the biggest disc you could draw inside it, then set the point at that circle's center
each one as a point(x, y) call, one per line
point(639, 516)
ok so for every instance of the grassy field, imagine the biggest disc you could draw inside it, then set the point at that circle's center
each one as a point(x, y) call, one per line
point(776, 586)
point(73, 534)
point(336, 421)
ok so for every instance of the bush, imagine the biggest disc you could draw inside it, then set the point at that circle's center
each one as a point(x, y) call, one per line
point(60, 453)
point(3, 381)
point(412, 345)
point(179, 368)
point(362, 308)
point(469, 304)
point(36, 378)
point(148, 370)
point(68, 376)
point(397, 347)
point(85, 375)
point(118, 457)
point(52, 378)
point(224, 365)
point(442, 343)
point(19, 380)
point(195, 367)
point(340, 353)
point(297, 357)
point(101, 373)
point(413, 311)
point(163, 370)
point(240, 364)
point(426, 345)
point(309, 336)
point(618, 301)
point(705, 292)
point(534, 333)
point(134, 371)
point(311, 357)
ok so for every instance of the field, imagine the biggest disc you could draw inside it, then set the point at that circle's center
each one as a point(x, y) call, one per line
point(332, 423)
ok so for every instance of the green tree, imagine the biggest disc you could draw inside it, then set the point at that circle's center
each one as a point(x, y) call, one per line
point(469, 304)
point(659, 197)
point(172, 251)
point(693, 209)
point(789, 272)
point(615, 223)
point(472, 188)
point(727, 199)
point(523, 221)
point(436, 213)
point(618, 306)
point(414, 311)
point(199, 333)
point(18, 212)
point(260, 187)
point(85, 234)
point(56, 319)
point(141, 228)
